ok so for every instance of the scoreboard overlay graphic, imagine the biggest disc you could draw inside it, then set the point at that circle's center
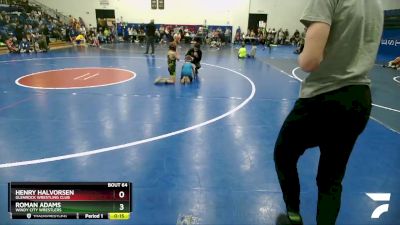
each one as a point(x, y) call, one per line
point(62, 200)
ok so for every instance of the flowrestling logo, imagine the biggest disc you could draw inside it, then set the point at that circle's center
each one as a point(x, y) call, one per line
point(379, 197)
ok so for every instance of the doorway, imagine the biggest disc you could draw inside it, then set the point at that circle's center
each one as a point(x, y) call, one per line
point(256, 21)
point(105, 18)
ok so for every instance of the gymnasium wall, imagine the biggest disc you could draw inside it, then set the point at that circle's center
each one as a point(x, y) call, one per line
point(286, 13)
point(390, 4)
point(281, 13)
point(195, 12)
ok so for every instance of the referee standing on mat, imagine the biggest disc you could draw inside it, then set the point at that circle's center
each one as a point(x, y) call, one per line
point(150, 36)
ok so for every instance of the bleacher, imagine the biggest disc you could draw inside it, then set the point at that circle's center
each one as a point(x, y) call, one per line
point(19, 14)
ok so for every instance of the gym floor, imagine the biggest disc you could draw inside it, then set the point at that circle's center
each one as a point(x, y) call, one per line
point(202, 152)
